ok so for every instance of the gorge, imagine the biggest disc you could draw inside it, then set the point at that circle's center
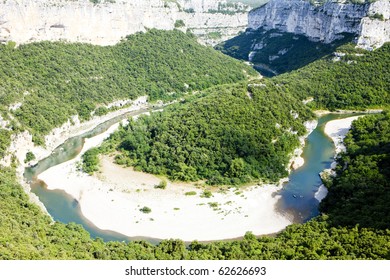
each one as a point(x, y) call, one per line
point(210, 161)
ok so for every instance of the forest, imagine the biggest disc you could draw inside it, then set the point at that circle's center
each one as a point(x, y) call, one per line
point(279, 52)
point(337, 76)
point(224, 133)
point(245, 132)
point(356, 80)
point(54, 81)
point(361, 191)
point(223, 137)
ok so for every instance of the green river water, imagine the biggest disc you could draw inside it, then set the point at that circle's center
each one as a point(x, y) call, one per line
point(297, 195)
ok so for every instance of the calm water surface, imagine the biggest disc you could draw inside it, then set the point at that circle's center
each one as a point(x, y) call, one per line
point(297, 195)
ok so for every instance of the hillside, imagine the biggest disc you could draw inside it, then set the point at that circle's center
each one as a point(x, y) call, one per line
point(350, 78)
point(279, 31)
point(361, 191)
point(244, 133)
point(44, 84)
point(224, 137)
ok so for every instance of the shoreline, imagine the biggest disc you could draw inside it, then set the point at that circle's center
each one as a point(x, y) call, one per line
point(335, 130)
point(22, 143)
point(320, 113)
point(122, 192)
point(296, 160)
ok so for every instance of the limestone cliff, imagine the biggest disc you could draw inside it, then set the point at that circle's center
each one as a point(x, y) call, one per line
point(326, 20)
point(108, 21)
point(375, 28)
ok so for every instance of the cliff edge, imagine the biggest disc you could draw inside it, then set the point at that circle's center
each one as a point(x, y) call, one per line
point(327, 20)
point(105, 22)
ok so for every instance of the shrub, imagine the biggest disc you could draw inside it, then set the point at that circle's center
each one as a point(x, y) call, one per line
point(145, 210)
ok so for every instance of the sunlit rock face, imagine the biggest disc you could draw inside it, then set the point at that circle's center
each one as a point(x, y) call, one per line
point(326, 21)
point(108, 21)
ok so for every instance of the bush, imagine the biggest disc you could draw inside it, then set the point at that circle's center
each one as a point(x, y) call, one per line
point(190, 193)
point(206, 194)
point(145, 210)
point(179, 23)
point(162, 185)
point(29, 157)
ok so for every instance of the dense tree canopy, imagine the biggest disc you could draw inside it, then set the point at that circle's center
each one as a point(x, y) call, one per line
point(360, 193)
point(226, 133)
point(232, 135)
point(56, 80)
point(357, 79)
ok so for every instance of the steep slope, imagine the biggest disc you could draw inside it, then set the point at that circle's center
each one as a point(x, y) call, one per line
point(326, 20)
point(105, 22)
point(233, 135)
point(361, 191)
point(44, 84)
point(286, 35)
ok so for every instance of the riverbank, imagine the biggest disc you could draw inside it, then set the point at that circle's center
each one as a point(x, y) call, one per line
point(320, 113)
point(336, 130)
point(125, 201)
point(22, 143)
point(113, 199)
point(297, 160)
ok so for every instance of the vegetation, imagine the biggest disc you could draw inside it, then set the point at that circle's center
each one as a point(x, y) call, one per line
point(162, 185)
point(361, 191)
point(145, 210)
point(229, 8)
point(90, 161)
point(279, 51)
point(179, 23)
point(356, 79)
point(226, 134)
point(29, 156)
point(5, 141)
point(377, 16)
point(223, 137)
point(57, 80)
point(215, 35)
point(27, 233)
point(251, 3)
point(190, 193)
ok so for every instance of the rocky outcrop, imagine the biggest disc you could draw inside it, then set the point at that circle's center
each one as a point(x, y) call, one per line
point(108, 21)
point(375, 28)
point(326, 21)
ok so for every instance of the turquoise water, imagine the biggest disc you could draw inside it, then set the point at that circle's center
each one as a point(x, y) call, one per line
point(297, 195)
point(61, 206)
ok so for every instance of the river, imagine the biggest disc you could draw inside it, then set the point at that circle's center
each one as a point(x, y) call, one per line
point(297, 195)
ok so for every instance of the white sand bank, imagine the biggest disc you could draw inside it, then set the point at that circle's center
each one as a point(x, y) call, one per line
point(112, 200)
point(337, 129)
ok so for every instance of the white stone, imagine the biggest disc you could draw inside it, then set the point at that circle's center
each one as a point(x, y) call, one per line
point(326, 22)
point(24, 21)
